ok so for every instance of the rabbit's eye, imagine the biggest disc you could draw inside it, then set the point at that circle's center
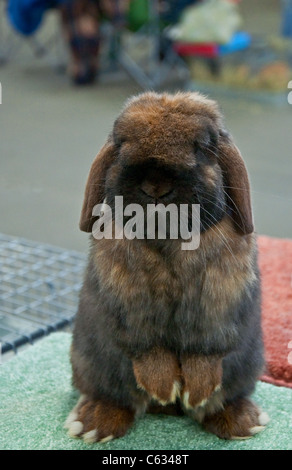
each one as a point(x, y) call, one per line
point(206, 142)
point(206, 153)
point(207, 147)
point(200, 147)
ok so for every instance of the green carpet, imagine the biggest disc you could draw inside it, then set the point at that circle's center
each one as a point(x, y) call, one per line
point(36, 397)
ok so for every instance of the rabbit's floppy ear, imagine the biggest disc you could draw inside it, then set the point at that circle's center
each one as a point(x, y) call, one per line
point(95, 186)
point(236, 184)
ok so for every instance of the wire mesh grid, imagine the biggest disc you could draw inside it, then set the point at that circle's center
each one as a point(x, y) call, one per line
point(39, 290)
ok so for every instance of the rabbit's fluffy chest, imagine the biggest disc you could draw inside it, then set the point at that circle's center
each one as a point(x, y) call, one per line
point(175, 294)
point(139, 274)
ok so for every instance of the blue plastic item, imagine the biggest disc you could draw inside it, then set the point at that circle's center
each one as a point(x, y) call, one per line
point(240, 41)
point(287, 18)
point(26, 15)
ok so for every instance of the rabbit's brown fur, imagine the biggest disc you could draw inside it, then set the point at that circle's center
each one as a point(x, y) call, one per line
point(157, 324)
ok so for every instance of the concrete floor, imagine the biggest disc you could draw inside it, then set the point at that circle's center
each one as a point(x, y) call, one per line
point(51, 131)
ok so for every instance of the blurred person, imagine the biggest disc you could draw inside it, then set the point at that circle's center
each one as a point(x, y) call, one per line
point(81, 24)
point(80, 21)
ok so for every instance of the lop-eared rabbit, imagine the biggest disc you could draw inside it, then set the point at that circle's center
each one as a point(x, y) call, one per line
point(159, 328)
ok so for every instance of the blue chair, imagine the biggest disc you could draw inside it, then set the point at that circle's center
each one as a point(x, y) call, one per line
point(19, 23)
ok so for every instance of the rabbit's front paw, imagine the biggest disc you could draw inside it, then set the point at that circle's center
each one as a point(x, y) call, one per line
point(98, 421)
point(158, 373)
point(201, 376)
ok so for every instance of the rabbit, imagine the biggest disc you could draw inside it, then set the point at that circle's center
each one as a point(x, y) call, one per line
point(158, 328)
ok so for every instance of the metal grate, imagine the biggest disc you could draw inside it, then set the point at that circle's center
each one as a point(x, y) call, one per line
point(39, 289)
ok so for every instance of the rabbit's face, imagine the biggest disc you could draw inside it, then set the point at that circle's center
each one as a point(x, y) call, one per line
point(171, 149)
point(167, 154)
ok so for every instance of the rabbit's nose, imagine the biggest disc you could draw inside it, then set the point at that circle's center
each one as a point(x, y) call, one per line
point(156, 190)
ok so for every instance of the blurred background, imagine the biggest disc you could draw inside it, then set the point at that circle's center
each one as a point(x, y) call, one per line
point(67, 70)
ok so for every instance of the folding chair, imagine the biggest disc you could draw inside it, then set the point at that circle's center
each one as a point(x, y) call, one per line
point(144, 51)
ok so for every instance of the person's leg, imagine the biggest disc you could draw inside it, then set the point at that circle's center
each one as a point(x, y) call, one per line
point(80, 20)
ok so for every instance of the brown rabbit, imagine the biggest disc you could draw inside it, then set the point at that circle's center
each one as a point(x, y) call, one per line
point(158, 327)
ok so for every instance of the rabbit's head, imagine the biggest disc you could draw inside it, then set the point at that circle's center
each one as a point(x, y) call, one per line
point(171, 149)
